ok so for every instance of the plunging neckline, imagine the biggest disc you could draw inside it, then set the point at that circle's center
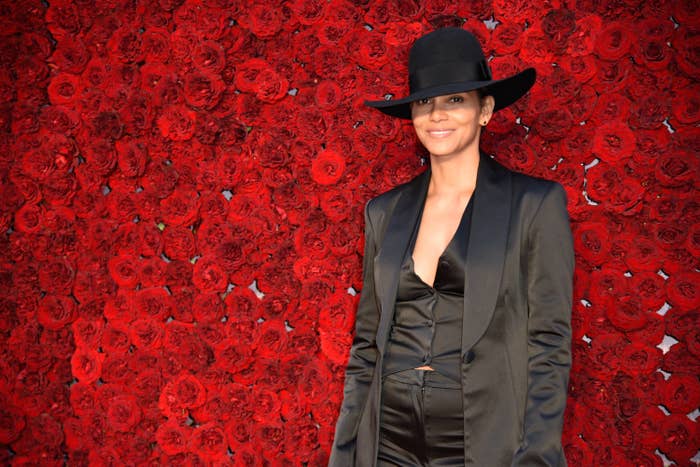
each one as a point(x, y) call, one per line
point(416, 230)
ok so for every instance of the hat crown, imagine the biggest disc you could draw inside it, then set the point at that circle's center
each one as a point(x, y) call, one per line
point(443, 46)
point(446, 56)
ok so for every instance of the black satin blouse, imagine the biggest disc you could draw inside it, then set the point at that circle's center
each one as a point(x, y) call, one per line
point(427, 326)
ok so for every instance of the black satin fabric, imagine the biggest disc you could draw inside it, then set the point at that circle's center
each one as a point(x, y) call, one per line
point(421, 421)
point(427, 327)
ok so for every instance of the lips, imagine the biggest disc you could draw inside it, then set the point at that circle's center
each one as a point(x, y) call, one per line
point(439, 133)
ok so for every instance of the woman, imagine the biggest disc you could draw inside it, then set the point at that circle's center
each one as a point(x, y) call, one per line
point(461, 353)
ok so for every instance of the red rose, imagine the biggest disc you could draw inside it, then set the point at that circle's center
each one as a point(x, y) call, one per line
point(124, 270)
point(203, 90)
point(603, 360)
point(154, 302)
point(131, 156)
point(681, 394)
point(56, 311)
point(87, 332)
point(614, 40)
point(146, 333)
point(63, 88)
point(209, 442)
point(86, 364)
point(674, 169)
point(209, 275)
point(591, 241)
point(242, 305)
point(172, 437)
point(123, 413)
point(178, 242)
point(612, 75)
point(682, 291)
point(70, 54)
point(13, 424)
point(177, 123)
point(679, 361)
point(147, 386)
point(115, 341)
point(678, 437)
point(183, 392)
point(125, 44)
point(640, 358)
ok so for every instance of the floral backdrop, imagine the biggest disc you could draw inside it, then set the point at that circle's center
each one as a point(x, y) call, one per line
point(181, 196)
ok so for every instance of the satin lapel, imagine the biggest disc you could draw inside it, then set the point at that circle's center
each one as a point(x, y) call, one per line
point(487, 249)
point(388, 261)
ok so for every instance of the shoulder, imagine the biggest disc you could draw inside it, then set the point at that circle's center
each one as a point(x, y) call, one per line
point(378, 207)
point(532, 189)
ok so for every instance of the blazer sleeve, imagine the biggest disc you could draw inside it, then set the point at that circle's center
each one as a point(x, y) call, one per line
point(550, 267)
point(363, 356)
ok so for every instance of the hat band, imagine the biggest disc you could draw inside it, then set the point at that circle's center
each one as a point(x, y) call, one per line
point(448, 73)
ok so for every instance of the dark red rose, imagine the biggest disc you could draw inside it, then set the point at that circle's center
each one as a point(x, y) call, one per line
point(681, 394)
point(271, 338)
point(209, 442)
point(183, 392)
point(683, 291)
point(242, 305)
point(612, 75)
point(87, 364)
point(677, 434)
point(603, 180)
point(203, 90)
point(114, 340)
point(63, 89)
point(177, 123)
point(13, 423)
point(56, 311)
point(154, 302)
point(87, 332)
point(70, 54)
point(132, 156)
point(119, 307)
point(146, 333)
point(591, 241)
point(209, 275)
point(603, 360)
point(679, 361)
point(613, 142)
point(172, 437)
point(335, 344)
point(640, 358)
point(627, 313)
point(123, 413)
point(614, 40)
point(152, 272)
point(554, 123)
point(675, 169)
point(125, 44)
point(178, 242)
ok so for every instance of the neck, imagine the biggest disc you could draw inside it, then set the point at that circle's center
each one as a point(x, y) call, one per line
point(454, 174)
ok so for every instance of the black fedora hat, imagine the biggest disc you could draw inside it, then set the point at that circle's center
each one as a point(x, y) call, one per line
point(451, 60)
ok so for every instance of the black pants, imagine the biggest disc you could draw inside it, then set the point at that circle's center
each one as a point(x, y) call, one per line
point(421, 421)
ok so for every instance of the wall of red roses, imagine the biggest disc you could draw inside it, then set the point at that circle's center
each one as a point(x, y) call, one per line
point(181, 208)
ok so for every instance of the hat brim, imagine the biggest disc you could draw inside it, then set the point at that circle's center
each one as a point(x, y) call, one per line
point(504, 91)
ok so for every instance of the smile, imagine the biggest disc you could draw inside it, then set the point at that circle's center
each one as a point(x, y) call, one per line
point(439, 133)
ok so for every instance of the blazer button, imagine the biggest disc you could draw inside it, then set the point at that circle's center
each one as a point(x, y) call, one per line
point(468, 357)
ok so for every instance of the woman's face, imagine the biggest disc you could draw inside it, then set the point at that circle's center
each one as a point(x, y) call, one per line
point(450, 124)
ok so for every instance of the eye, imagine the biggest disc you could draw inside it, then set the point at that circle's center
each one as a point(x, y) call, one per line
point(423, 101)
point(456, 99)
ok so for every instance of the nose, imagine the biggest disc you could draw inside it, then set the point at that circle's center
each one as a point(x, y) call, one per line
point(437, 112)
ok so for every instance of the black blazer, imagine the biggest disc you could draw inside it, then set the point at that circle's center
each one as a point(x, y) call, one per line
point(516, 333)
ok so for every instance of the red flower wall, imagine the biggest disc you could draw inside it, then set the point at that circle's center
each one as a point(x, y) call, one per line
point(181, 197)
